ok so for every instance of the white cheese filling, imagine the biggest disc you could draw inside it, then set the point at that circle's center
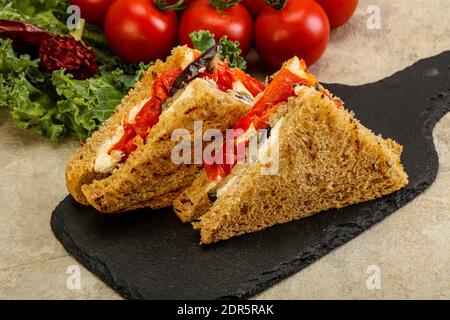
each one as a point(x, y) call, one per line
point(266, 151)
point(294, 66)
point(238, 86)
point(299, 89)
point(226, 186)
point(239, 91)
point(135, 111)
point(105, 162)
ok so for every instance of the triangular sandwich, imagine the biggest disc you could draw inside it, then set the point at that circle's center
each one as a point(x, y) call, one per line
point(127, 163)
point(326, 159)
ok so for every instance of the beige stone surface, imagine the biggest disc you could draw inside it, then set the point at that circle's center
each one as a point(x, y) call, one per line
point(52, 278)
point(411, 247)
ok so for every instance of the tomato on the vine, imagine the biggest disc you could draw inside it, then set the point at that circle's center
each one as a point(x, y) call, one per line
point(221, 17)
point(290, 28)
point(94, 11)
point(338, 11)
point(138, 31)
point(254, 7)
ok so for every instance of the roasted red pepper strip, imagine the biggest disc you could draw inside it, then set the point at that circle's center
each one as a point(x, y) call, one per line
point(126, 145)
point(148, 116)
point(278, 91)
point(223, 77)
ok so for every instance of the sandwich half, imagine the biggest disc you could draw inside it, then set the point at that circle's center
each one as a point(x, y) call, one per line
point(127, 163)
point(325, 159)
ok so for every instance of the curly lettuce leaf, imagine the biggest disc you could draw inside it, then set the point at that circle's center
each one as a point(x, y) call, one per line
point(85, 104)
point(30, 103)
point(204, 39)
point(231, 52)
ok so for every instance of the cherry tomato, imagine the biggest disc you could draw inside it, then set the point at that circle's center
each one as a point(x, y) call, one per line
point(235, 22)
point(338, 11)
point(94, 11)
point(254, 7)
point(300, 28)
point(137, 31)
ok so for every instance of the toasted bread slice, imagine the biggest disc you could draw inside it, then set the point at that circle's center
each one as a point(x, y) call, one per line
point(149, 177)
point(194, 202)
point(80, 167)
point(327, 159)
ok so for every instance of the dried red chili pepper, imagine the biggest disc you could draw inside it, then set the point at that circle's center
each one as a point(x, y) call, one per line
point(27, 38)
point(55, 52)
point(67, 53)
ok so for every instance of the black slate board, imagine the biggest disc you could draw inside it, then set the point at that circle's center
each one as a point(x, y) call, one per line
point(151, 255)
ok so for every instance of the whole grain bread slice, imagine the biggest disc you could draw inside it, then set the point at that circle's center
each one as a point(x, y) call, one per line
point(79, 169)
point(149, 177)
point(327, 159)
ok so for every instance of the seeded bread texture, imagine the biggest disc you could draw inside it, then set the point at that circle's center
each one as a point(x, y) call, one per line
point(79, 169)
point(327, 160)
point(149, 177)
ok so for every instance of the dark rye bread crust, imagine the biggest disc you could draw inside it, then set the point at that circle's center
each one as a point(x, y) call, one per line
point(327, 160)
point(79, 169)
point(149, 178)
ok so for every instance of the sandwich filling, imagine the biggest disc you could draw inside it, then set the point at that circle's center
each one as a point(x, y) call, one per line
point(265, 113)
point(142, 117)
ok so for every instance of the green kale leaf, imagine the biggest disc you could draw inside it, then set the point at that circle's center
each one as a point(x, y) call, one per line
point(204, 39)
